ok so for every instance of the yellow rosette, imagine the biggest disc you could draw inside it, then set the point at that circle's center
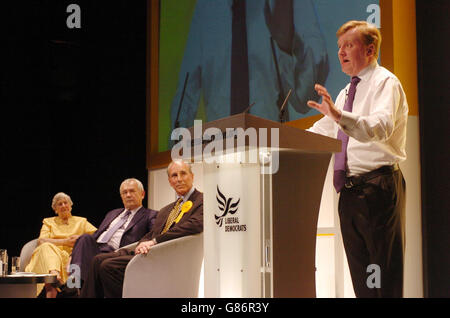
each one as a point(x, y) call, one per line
point(184, 208)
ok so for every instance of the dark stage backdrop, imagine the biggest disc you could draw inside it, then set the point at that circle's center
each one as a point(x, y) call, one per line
point(72, 110)
point(433, 32)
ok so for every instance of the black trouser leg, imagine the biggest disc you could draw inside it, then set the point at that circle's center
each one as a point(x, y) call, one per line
point(92, 287)
point(372, 225)
point(112, 273)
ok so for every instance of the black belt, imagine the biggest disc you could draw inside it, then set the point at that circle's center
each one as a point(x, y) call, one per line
point(354, 181)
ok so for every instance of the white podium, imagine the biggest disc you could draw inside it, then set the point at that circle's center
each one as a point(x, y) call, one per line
point(259, 227)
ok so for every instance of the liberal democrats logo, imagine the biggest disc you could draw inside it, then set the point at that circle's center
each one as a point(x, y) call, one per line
point(228, 207)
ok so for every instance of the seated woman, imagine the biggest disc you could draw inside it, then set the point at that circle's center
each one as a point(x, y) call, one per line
point(55, 243)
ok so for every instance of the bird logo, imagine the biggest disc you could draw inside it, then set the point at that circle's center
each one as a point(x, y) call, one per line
point(226, 206)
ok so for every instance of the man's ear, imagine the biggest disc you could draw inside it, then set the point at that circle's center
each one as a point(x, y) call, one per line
point(371, 50)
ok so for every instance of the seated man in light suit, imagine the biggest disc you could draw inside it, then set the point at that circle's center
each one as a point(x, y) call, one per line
point(120, 227)
point(180, 218)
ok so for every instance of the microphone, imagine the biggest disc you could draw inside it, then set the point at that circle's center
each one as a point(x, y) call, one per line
point(248, 108)
point(280, 84)
point(282, 110)
point(177, 123)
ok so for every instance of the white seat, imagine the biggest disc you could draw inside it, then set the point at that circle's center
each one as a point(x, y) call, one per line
point(171, 269)
point(26, 252)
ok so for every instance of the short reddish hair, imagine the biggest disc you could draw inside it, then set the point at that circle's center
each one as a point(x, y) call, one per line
point(369, 33)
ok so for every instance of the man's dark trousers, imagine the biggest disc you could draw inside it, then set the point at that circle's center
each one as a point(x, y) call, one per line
point(372, 218)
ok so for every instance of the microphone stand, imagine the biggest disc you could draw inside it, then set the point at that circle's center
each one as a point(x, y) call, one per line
point(248, 108)
point(282, 109)
point(177, 122)
point(280, 84)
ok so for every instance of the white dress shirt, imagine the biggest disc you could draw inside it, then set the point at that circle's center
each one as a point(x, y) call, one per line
point(114, 241)
point(187, 195)
point(377, 123)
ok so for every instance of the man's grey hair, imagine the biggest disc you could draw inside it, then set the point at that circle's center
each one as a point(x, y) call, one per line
point(179, 161)
point(139, 183)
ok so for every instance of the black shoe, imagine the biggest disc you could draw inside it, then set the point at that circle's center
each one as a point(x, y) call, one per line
point(67, 292)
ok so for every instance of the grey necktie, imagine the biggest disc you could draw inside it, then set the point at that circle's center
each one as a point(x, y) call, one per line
point(114, 228)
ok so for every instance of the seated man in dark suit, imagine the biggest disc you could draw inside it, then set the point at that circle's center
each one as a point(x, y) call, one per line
point(180, 218)
point(120, 227)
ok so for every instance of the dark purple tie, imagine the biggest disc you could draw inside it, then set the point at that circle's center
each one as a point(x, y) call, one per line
point(340, 158)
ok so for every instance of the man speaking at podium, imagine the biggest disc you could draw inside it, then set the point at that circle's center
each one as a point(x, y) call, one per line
point(369, 117)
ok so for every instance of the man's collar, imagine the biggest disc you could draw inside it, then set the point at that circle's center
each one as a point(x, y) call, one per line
point(133, 210)
point(187, 195)
point(367, 71)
